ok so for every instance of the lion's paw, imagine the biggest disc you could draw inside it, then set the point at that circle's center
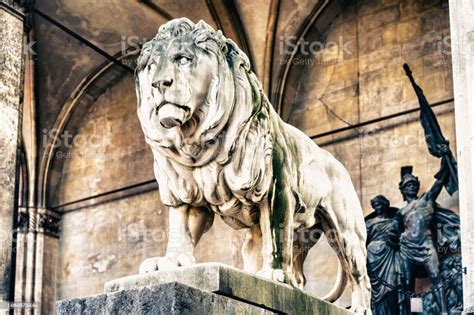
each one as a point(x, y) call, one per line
point(166, 263)
point(272, 274)
point(149, 265)
point(361, 301)
point(185, 260)
point(158, 263)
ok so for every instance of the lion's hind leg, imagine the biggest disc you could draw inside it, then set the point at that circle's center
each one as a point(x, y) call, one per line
point(305, 239)
point(346, 235)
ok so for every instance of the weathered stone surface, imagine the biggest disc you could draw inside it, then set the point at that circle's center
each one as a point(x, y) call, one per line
point(169, 298)
point(419, 37)
point(106, 137)
point(462, 30)
point(11, 43)
point(234, 283)
point(402, 32)
point(379, 19)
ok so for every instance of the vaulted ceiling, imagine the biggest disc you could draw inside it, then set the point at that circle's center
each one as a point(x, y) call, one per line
point(62, 61)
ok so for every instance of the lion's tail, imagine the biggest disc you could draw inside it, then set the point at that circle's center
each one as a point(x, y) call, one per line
point(339, 286)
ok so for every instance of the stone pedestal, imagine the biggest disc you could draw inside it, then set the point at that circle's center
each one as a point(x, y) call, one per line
point(201, 289)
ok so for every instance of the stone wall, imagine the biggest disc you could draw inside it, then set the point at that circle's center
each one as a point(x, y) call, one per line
point(108, 151)
point(359, 77)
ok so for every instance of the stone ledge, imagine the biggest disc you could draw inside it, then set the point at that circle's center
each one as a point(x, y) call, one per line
point(234, 283)
point(169, 298)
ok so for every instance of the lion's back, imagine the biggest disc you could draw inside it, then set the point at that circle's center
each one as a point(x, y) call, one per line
point(318, 170)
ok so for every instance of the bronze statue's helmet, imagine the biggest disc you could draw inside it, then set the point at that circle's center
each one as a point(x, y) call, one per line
point(407, 176)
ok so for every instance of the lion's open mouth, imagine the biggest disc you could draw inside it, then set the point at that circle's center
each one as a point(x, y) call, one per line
point(172, 115)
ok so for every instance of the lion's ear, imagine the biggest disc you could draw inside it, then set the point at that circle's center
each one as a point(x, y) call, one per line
point(144, 56)
point(221, 40)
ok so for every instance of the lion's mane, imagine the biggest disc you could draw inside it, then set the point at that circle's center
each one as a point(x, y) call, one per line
point(235, 131)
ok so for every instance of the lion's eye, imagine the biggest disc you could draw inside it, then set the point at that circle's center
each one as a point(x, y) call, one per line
point(183, 60)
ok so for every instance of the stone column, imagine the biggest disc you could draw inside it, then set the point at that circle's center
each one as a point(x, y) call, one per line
point(11, 63)
point(462, 47)
point(21, 243)
point(47, 236)
point(37, 253)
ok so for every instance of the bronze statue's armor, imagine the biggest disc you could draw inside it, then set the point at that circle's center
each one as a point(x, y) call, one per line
point(416, 242)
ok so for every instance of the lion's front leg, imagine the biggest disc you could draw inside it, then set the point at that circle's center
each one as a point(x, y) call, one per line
point(186, 226)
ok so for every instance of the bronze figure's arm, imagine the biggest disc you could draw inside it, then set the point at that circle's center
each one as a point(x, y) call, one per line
point(437, 186)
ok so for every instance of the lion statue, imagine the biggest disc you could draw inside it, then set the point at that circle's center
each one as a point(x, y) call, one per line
point(220, 148)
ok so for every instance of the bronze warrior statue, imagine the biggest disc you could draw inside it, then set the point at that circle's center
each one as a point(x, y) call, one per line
point(428, 235)
point(416, 241)
point(419, 240)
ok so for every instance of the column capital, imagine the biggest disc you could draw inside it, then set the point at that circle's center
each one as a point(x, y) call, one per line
point(39, 220)
point(48, 222)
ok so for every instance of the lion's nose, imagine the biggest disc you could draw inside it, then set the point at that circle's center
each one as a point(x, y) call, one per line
point(162, 84)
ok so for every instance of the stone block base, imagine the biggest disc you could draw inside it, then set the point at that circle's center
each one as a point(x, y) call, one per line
point(169, 298)
point(200, 289)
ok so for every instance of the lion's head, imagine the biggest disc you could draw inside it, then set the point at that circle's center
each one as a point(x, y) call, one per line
point(191, 83)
